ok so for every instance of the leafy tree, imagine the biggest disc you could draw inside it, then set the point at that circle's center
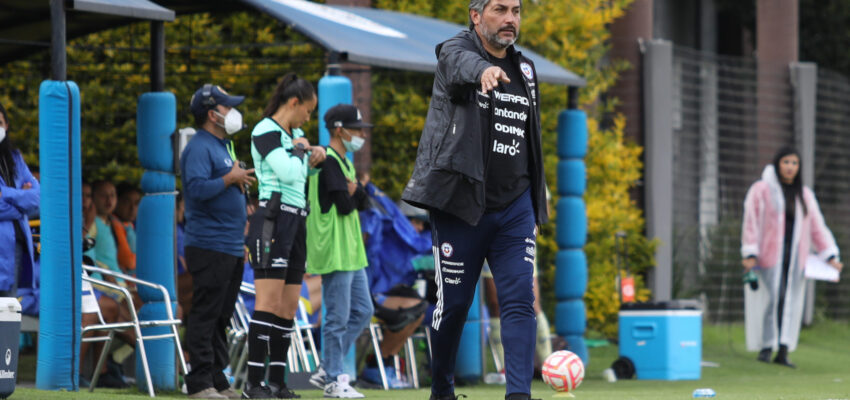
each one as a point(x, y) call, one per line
point(246, 53)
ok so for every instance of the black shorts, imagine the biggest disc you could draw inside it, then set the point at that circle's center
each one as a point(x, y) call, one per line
point(288, 252)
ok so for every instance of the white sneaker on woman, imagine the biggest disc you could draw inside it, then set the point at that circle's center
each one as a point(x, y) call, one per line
point(341, 389)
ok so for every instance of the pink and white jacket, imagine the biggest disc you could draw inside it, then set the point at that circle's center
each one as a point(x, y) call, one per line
point(764, 224)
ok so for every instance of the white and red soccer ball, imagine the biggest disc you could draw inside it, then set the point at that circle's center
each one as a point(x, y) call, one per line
point(563, 371)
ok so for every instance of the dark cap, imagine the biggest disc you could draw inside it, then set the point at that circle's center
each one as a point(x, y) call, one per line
point(209, 96)
point(346, 116)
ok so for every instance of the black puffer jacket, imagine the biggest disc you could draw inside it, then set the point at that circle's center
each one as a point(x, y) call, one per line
point(449, 174)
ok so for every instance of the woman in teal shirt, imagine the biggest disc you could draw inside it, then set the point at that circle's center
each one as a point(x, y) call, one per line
point(277, 236)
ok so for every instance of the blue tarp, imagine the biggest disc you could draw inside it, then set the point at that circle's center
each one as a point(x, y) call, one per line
point(392, 243)
point(384, 38)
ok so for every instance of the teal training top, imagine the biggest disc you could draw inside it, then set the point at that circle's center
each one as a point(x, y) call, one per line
point(277, 164)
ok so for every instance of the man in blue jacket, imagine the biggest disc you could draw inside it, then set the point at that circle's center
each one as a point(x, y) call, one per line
point(479, 170)
point(214, 185)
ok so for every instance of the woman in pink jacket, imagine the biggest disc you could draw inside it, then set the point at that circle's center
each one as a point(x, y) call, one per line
point(782, 226)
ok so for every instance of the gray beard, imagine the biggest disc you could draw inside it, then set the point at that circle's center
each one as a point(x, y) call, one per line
point(497, 42)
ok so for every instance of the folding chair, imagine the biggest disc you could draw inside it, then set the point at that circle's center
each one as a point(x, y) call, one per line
point(297, 351)
point(238, 341)
point(412, 375)
point(134, 323)
point(303, 328)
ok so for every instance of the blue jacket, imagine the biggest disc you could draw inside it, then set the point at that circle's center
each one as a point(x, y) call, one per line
point(393, 243)
point(15, 205)
point(215, 213)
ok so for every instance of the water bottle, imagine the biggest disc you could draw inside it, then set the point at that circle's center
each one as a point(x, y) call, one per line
point(752, 279)
point(704, 392)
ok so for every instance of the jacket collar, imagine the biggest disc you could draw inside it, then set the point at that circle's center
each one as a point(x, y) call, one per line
point(471, 35)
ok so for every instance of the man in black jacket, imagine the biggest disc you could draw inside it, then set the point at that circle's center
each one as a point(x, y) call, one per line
point(479, 170)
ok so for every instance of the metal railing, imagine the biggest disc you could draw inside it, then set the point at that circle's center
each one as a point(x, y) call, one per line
point(730, 116)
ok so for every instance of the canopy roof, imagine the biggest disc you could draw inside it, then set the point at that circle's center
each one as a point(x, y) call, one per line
point(385, 38)
point(25, 25)
point(361, 35)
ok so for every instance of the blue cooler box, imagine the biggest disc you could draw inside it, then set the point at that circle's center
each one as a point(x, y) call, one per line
point(663, 340)
point(10, 332)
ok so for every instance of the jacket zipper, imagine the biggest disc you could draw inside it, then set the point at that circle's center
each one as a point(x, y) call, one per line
point(536, 168)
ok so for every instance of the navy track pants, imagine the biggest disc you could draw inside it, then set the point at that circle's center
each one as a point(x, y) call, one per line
point(507, 240)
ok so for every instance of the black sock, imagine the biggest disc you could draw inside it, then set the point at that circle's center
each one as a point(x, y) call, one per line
point(279, 347)
point(259, 333)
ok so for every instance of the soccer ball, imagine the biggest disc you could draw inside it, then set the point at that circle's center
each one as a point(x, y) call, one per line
point(563, 371)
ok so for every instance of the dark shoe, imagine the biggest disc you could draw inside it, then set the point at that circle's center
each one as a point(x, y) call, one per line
point(764, 355)
point(519, 396)
point(257, 392)
point(112, 380)
point(283, 392)
point(784, 361)
point(782, 357)
point(447, 397)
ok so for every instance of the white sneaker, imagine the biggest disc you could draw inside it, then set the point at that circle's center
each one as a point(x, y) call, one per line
point(319, 379)
point(341, 389)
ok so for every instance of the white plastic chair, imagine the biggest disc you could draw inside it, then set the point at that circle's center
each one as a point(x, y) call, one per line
point(134, 323)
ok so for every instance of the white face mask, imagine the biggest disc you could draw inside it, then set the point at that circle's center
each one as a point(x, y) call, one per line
point(232, 121)
point(2, 134)
point(355, 144)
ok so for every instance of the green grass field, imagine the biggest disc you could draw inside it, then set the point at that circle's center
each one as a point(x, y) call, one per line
point(823, 372)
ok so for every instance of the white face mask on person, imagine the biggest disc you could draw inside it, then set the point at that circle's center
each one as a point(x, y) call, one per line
point(232, 121)
point(2, 134)
point(355, 144)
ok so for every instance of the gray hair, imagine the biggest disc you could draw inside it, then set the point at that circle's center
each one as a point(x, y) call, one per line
point(479, 5)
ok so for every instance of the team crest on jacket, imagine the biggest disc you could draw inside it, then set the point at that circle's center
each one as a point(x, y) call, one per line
point(527, 71)
point(447, 249)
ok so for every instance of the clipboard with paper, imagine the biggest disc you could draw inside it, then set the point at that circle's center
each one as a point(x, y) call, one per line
point(820, 270)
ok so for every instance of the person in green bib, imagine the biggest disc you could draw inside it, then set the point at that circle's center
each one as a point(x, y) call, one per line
point(335, 249)
point(277, 235)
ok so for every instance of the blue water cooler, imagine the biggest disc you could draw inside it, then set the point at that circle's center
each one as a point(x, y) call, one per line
point(663, 340)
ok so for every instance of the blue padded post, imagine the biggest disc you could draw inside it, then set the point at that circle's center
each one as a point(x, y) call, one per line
point(571, 232)
point(468, 360)
point(156, 120)
point(333, 89)
point(61, 236)
point(571, 280)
